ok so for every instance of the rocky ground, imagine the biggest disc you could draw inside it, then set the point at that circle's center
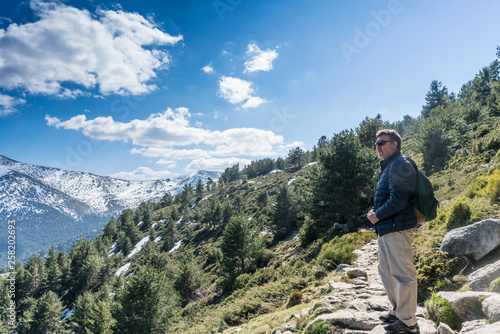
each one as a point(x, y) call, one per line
point(354, 308)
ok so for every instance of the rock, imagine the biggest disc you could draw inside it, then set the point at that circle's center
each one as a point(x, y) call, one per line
point(491, 307)
point(465, 304)
point(495, 287)
point(473, 325)
point(426, 327)
point(341, 286)
point(358, 304)
point(358, 282)
point(379, 303)
point(445, 329)
point(482, 328)
point(302, 313)
point(350, 319)
point(331, 299)
point(475, 240)
point(355, 272)
point(342, 267)
point(480, 279)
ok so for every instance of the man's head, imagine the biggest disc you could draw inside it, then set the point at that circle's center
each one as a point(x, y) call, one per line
point(388, 141)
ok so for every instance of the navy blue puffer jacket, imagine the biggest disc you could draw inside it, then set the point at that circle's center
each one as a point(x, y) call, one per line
point(396, 185)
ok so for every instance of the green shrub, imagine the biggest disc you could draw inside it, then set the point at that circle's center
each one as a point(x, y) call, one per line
point(295, 299)
point(495, 285)
point(318, 327)
point(493, 187)
point(460, 214)
point(340, 249)
point(440, 311)
point(432, 267)
point(241, 281)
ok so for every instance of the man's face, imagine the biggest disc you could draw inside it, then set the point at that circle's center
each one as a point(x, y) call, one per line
point(387, 148)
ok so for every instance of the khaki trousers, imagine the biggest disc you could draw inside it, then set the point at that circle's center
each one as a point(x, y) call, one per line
point(398, 274)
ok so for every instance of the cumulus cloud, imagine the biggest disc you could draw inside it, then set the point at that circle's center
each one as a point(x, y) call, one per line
point(7, 104)
point(259, 60)
point(143, 174)
point(216, 164)
point(111, 51)
point(160, 134)
point(238, 91)
point(208, 69)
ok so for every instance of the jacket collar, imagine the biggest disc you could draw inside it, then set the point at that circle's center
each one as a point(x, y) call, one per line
point(385, 162)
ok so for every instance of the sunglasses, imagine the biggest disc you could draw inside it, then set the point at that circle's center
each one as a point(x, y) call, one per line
point(383, 142)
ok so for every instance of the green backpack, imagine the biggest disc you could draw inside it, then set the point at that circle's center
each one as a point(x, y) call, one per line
point(424, 203)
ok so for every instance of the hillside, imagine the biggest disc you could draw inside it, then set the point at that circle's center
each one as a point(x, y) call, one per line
point(54, 206)
point(265, 241)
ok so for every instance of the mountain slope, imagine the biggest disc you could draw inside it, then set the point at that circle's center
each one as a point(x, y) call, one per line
point(51, 205)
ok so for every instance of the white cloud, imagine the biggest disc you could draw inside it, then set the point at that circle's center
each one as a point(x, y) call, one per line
point(259, 60)
point(170, 153)
point(169, 163)
point(161, 134)
point(238, 91)
point(7, 104)
point(208, 69)
point(143, 174)
point(216, 164)
point(106, 50)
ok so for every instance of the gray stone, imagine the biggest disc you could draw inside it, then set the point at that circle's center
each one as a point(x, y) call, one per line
point(342, 267)
point(355, 272)
point(480, 279)
point(483, 329)
point(359, 282)
point(475, 240)
point(470, 326)
point(465, 304)
point(426, 327)
point(445, 329)
point(350, 319)
point(379, 303)
point(341, 286)
point(358, 304)
point(491, 307)
point(331, 299)
point(302, 313)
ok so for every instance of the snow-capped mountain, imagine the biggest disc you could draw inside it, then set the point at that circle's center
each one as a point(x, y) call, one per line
point(44, 198)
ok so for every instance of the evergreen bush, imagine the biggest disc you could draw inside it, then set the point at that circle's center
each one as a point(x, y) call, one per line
point(440, 311)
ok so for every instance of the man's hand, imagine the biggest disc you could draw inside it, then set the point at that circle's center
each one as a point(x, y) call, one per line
point(372, 216)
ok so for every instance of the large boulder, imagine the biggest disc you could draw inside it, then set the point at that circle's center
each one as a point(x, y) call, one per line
point(475, 240)
point(480, 279)
point(465, 304)
point(491, 307)
point(480, 327)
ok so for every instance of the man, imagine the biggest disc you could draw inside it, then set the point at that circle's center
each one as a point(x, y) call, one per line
point(394, 220)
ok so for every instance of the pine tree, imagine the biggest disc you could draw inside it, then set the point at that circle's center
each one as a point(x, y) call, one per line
point(436, 96)
point(367, 130)
point(344, 177)
point(167, 200)
point(236, 244)
point(284, 214)
point(433, 145)
point(148, 303)
point(200, 189)
point(47, 316)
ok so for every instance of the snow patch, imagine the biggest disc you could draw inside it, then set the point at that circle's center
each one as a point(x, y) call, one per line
point(138, 247)
point(180, 219)
point(123, 269)
point(311, 163)
point(157, 239)
point(176, 246)
point(290, 181)
point(276, 171)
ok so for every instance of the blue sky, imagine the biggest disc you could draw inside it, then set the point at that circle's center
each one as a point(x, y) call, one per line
point(155, 89)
